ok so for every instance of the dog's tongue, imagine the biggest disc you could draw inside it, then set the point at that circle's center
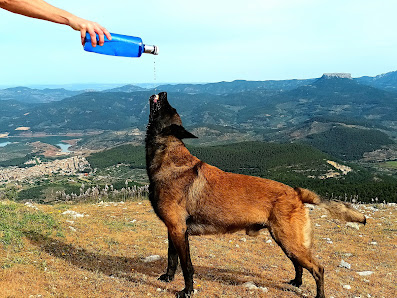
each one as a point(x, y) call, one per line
point(155, 99)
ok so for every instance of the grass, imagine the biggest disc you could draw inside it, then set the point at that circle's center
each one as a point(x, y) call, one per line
point(389, 164)
point(16, 221)
point(102, 253)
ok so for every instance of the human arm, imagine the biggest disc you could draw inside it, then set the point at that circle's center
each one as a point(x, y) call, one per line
point(40, 9)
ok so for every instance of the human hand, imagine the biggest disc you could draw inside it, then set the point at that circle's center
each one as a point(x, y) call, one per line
point(92, 28)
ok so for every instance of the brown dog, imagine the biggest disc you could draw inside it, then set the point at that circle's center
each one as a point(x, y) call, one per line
point(194, 198)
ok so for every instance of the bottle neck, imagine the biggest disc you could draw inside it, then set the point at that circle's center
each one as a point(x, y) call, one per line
point(154, 50)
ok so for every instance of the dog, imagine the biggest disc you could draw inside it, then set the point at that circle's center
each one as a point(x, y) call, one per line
point(195, 198)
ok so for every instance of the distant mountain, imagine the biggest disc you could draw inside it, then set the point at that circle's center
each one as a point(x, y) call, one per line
point(13, 108)
point(126, 88)
point(307, 112)
point(234, 86)
point(386, 81)
point(28, 95)
point(85, 112)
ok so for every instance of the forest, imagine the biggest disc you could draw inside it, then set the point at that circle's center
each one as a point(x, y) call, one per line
point(293, 164)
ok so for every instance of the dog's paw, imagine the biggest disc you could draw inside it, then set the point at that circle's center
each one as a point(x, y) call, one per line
point(295, 283)
point(166, 278)
point(184, 294)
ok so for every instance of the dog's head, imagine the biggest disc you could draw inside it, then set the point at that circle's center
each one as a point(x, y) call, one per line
point(164, 119)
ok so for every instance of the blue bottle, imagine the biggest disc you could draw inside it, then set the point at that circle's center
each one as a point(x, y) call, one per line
point(120, 45)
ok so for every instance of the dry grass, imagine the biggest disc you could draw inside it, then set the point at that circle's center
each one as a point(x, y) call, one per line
point(101, 255)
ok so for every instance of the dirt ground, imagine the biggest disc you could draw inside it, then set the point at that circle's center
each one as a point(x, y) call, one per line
point(102, 250)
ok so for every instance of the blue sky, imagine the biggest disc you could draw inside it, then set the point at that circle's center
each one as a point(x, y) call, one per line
point(205, 41)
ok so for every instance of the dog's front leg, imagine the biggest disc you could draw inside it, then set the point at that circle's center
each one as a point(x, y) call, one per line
point(180, 240)
point(172, 262)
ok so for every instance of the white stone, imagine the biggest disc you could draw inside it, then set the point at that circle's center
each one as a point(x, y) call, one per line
point(347, 287)
point(365, 273)
point(73, 214)
point(344, 264)
point(263, 289)
point(30, 205)
point(250, 285)
point(353, 225)
point(152, 258)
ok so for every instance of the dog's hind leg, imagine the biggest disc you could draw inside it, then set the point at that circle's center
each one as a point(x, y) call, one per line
point(292, 237)
point(297, 281)
point(172, 262)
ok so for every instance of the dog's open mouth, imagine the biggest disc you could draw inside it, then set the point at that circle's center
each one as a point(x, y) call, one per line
point(156, 102)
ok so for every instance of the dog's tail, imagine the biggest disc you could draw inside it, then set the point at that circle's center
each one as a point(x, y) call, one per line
point(340, 210)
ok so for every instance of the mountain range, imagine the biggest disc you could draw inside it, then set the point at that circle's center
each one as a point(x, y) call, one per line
point(290, 110)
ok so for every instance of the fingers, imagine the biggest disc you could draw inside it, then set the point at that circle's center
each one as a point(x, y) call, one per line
point(101, 37)
point(107, 33)
point(93, 30)
point(83, 32)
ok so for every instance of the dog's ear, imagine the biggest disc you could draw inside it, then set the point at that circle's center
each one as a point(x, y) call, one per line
point(178, 131)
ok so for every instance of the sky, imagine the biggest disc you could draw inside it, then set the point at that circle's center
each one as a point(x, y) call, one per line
point(205, 41)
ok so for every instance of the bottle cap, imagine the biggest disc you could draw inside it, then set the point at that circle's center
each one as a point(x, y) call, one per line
point(151, 49)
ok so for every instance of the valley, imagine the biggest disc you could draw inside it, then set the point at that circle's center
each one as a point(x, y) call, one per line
point(312, 129)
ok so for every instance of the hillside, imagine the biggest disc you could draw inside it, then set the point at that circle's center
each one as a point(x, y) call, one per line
point(262, 110)
point(236, 86)
point(348, 143)
point(293, 164)
point(223, 112)
point(29, 95)
point(105, 249)
point(386, 81)
point(84, 112)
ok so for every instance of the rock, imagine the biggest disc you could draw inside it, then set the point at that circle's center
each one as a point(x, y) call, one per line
point(347, 287)
point(73, 214)
point(263, 289)
point(250, 285)
point(353, 225)
point(344, 264)
point(337, 75)
point(152, 258)
point(72, 229)
point(243, 239)
point(365, 273)
point(373, 243)
point(30, 205)
point(269, 241)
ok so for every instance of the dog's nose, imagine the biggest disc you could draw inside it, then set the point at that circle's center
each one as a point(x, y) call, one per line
point(154, 97)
